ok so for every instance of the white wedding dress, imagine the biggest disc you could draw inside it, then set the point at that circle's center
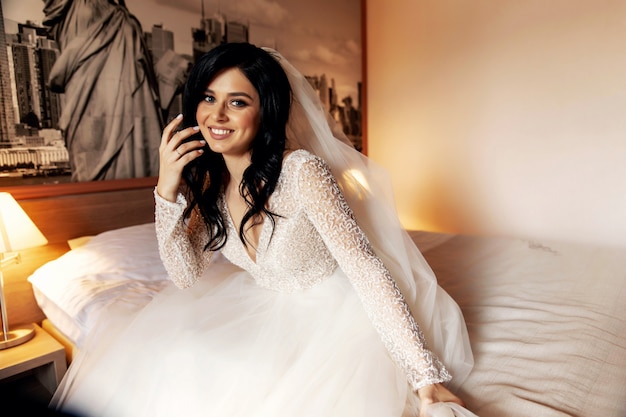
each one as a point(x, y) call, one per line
point(314, 325)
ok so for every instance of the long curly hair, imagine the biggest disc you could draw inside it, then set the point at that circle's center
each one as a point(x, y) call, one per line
point(206, 176)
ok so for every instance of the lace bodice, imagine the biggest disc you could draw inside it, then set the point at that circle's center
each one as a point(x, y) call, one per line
point(315, 232)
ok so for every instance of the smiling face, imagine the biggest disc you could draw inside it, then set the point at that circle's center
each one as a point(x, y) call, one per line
point(229, 114)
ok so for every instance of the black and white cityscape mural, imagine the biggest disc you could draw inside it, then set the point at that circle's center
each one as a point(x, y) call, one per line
point(87, 86)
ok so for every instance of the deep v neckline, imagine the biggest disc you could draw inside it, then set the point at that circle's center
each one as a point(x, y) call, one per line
point(261, 245)
point(255, 246)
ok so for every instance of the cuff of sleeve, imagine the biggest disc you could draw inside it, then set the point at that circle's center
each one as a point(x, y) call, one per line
point(438, 376)
point(168, 212)
point(172, 207)
point(180, 200)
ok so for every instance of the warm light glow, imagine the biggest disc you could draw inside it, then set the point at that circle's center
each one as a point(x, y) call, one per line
point(356, 179)
point(17, 230)
point(355, 183)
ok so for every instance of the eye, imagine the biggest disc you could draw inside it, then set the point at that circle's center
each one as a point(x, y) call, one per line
point(208, 98)
point(237, 102)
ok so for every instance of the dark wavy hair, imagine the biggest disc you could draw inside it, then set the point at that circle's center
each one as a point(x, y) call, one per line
point(206, 176)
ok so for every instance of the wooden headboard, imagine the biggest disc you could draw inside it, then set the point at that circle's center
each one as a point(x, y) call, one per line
point(68, 211)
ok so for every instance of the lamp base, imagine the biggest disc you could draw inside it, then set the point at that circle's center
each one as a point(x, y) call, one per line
point(16, 336)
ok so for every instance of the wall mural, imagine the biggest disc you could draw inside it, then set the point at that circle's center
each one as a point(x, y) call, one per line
point(87, 86)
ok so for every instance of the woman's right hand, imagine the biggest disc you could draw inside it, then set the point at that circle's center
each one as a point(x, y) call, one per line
point(174, 154)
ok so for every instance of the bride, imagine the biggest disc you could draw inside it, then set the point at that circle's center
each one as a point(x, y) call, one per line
point(297, 293)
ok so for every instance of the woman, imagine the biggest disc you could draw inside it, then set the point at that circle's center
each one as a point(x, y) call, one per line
point(306, 319)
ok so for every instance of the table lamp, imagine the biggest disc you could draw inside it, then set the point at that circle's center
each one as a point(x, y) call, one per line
point(17, 232)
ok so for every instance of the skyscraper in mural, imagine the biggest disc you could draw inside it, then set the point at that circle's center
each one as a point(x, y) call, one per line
point(7, 112)
point(216, 30)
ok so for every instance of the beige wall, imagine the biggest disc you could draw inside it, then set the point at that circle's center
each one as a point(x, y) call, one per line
point(502, 117)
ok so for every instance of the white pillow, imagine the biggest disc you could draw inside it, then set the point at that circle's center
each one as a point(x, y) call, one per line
point(78, 242)
point(121, 265)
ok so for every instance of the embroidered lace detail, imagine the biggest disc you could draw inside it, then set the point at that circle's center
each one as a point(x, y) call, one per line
point(180, 243)
point(315, 232)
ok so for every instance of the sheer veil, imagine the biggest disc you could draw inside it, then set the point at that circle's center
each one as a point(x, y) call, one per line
point(367, 189)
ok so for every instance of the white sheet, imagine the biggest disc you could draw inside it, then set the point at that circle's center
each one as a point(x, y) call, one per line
point(547, 324)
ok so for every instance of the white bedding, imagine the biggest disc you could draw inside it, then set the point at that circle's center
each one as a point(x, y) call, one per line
point(547, 322)
point(121, 266)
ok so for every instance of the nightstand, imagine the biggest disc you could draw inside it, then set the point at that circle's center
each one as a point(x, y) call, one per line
point(32, 369)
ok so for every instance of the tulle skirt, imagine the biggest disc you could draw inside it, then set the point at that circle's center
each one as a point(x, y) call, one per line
point(229, 348)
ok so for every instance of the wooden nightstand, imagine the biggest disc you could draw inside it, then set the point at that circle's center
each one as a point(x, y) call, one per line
point(40, 361)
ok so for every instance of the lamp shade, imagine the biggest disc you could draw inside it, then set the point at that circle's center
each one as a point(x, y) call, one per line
point(17, 230)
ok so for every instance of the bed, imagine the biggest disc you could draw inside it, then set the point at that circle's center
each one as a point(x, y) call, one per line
point(547, 320)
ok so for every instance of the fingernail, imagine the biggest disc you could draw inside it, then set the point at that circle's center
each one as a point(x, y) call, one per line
point(196, 128)
point(180, 116)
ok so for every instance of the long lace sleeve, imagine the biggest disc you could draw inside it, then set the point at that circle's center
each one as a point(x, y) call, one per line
point(180, 243)
point(384, 303)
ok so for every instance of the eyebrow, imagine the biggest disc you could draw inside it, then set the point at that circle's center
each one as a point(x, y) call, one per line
point(233, 94)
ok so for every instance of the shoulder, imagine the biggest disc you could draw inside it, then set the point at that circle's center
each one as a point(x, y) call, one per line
point(301, 158)
point(307, 170)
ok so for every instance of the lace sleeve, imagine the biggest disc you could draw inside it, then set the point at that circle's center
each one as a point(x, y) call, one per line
point(383, 302)
point(180, 243)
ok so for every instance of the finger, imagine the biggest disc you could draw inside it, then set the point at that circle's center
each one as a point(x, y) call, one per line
point(169, 128)
point(181, 159)
point(181, 145)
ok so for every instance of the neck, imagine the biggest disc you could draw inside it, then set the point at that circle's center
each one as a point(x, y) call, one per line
point(236, 165)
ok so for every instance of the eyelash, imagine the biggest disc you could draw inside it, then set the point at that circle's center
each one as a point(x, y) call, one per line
point(237, 102)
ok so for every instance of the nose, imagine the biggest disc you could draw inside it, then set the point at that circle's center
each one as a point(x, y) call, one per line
point(219, 113)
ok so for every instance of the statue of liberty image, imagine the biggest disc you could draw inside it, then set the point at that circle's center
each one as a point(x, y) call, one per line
point(111, 117)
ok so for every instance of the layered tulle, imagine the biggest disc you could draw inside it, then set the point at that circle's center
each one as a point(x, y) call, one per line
point(227, 347)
